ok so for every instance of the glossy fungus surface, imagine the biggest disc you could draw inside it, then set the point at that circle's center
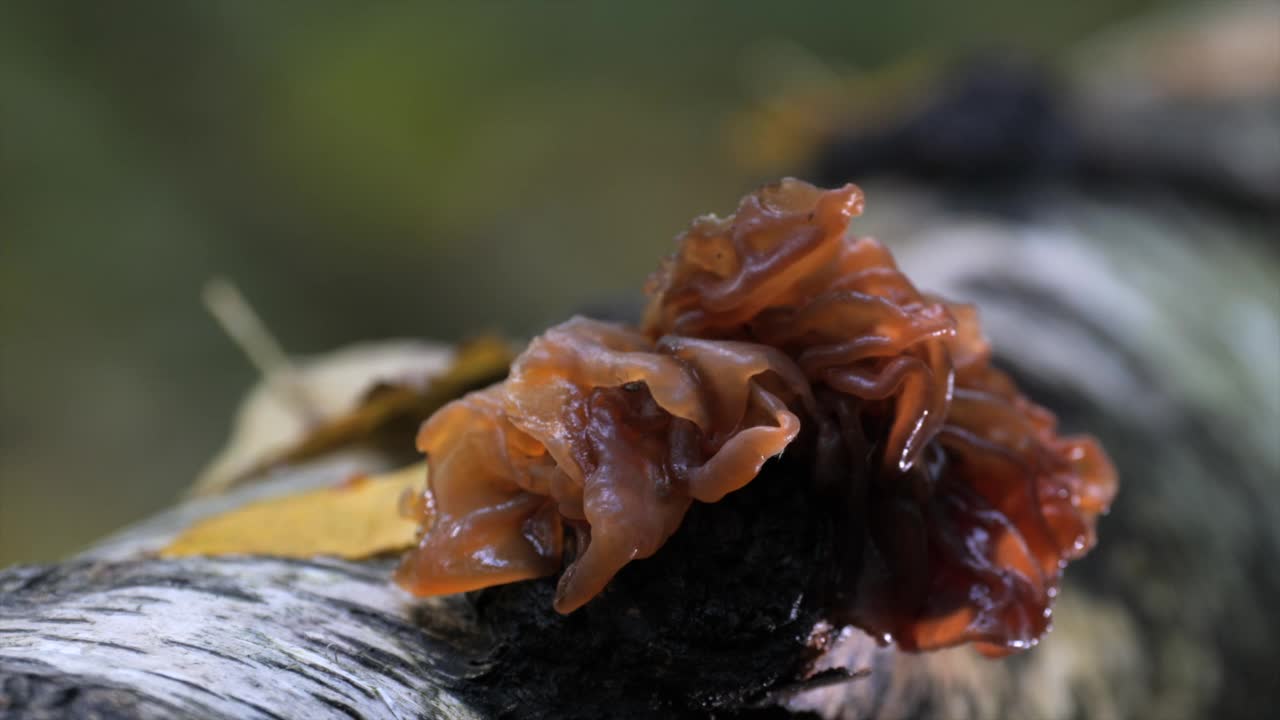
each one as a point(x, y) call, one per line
point(601, 434)
point(957, 504)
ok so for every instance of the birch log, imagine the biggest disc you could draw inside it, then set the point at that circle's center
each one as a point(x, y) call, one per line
point(1171, 359)
point(1149, 318)
point(1169, 315)
point(118, 633)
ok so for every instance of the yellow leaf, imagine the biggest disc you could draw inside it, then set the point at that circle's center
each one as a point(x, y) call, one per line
point(354, 520)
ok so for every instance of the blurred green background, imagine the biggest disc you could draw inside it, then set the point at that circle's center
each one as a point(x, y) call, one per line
point(361, 171)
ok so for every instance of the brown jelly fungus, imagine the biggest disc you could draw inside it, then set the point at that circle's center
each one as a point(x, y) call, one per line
point(772, 329)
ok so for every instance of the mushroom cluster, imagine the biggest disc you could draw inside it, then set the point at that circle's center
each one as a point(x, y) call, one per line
point(956, 503)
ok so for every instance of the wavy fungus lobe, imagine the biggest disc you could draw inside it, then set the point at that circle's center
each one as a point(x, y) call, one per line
point(601, 432)
point(959, 505)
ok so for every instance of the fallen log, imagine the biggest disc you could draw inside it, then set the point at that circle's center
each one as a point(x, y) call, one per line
point(117, 633)
point(1168, 310)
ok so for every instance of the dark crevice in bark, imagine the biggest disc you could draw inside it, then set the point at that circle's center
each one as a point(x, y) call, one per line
point(27, 693)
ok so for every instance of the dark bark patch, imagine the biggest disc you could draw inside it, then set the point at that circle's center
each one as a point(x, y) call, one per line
point(101, 610)
point(87, 641)
point(302, 672)
point(186, 683)
point(207, 651)
point(339, 706)
point(32, 690)
point(707, 627)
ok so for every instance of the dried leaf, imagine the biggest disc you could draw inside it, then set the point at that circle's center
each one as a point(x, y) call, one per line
point(357, 519)
point(374, 394)
point(403, 405)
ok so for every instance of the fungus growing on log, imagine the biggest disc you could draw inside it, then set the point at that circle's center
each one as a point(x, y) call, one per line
point(601, 432)
point(956, 503)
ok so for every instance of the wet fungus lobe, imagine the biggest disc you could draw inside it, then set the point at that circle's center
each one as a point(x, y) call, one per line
point(958, 504)
point(600, 433)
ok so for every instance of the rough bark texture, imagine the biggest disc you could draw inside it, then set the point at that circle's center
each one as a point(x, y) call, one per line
point(119, 634)
point(227, 637)
point(1146, 317)
point(712, 625)
point(1167, 619)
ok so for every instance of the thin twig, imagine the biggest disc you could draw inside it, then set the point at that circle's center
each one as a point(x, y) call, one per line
point(239, 321)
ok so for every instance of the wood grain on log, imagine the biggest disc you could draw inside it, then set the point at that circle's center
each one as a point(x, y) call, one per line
point(117, 633)
point(120, 632)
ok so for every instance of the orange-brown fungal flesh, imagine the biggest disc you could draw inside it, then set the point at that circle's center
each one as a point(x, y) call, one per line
point(961, 503)
point(601, 432)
